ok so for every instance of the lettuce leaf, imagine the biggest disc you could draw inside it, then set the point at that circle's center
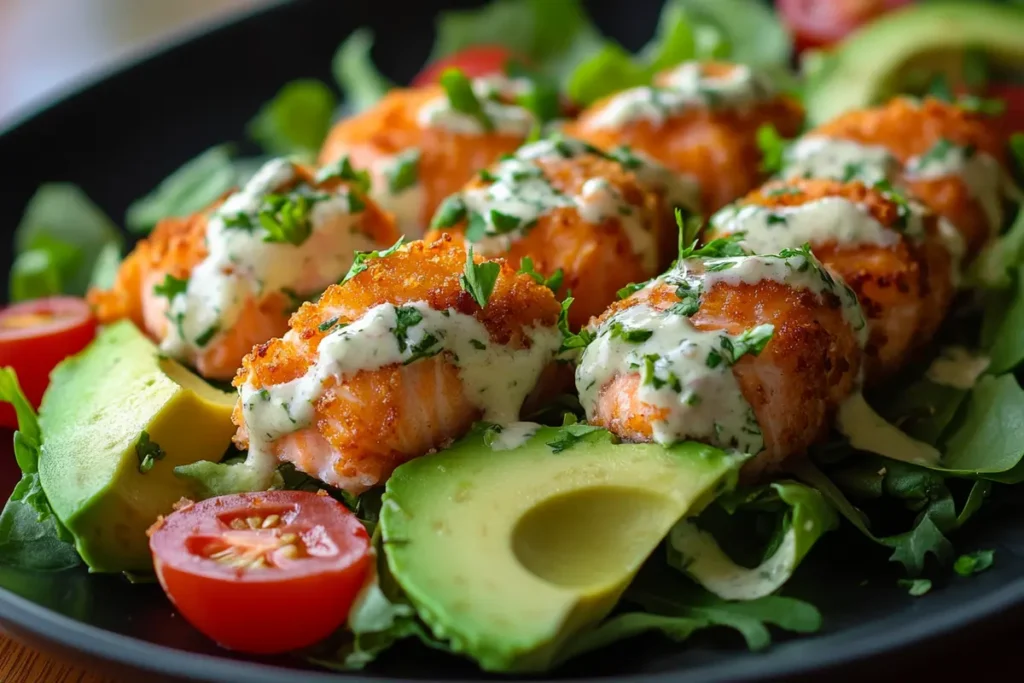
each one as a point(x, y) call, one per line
point(31, 536)
point(355, 73)
point(296, 120)
point(798, 516)
point(191, 188)
point(59, 239)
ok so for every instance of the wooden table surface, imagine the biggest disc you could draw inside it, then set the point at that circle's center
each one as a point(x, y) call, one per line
point(21, 664)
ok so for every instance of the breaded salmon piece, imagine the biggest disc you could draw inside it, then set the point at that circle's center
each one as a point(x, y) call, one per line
point(601, 219)
point(699, 119)
point(397, 361)
point(211, 286)
point(953, 160)
point(754, 353)
point(418, 151)
point(894, 255)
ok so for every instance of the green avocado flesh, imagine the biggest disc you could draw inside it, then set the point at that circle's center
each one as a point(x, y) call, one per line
point(866, 67)
point(508, 554)
point(94, 415)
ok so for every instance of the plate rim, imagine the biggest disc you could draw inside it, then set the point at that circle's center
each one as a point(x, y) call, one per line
point(24, 616)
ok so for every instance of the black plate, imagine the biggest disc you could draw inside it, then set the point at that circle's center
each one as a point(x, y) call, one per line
point(122, 135)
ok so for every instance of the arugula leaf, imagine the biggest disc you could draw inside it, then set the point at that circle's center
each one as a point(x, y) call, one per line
point(989, 440)
point(31, 536)
point(974, 563)
point(359, 262)
point(189, 189)
point(1007, 349)
point(296, 120)
point(916, 587)
point(773, 148)
point(461, 97)
point(356, 74)
point(553, 283)
point(34, 274)
point(479, 278)
point(798, 516)
point(61, 221)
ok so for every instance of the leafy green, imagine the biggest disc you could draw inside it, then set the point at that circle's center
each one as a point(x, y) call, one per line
point(104, 270)
point(405, 171)
point(553, 283)
point(610, 70)
point(1007, 348)
point(479, 278)
point(996, 265)
point(191, 188)
point(343, 169)
point(916, 587)
point(31, 536)
point(171, 287)
point(773, 148)
point(34, 274)
point(148, 452)
point(286, 218)
point(61, 221)
point(752, 32)
point(361, 257)
point(356, 74)
point(797, 516)
point(569, 435)
point(463, 99)
point(974, 563)
point(296, 120)
point(989, 440)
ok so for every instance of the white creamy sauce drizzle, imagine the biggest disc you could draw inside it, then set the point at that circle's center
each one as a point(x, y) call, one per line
point(829, 219)
point(241, 265)
point(508, 119)
point(496, 378)
point(513, 435)
point(982, 174)
point(713, 569)
point(817, 156)
point(686, 371)
point(957, 367)
point(521, 194)
point(686, 87)
point(869, 431)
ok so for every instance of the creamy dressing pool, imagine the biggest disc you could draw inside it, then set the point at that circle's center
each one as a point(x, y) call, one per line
point(496, 378)
point(688, 372)
point(241, 265)
point(685, 87)
point(957, 367)
point(817, 156)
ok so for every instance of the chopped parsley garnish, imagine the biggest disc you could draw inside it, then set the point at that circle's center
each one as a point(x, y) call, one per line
point(633, 336)
point(148, 452)
point(569, 435)
point(939, 88)
point(326, 325)
point(460, 93)
point(404, 173)
point(477, 344)
point(722, 247)
point(689, 226)
point(451, 211)
point(171, 287)
point(773, 148)
point(631, 289)
point(405, 317)
point(343, 170)
point(989, 106)
point(852, 171)
point(776, 219)
point(625, 156)
point(424, 349)
point(689, 299)
point(650, 376)
point(916, 587)
point(543, 99)
point(504, 222)
point(937, 153)
point(892, 194)
point(476, 227)
point(286, 218)
point(714, 359)
point(553, 283)
point(361, 257)
point(479, 278)
point(751, 342)
point(240, 221)
point(486, 176)
point(571, 340)
point(973, 563)
point(210, 332)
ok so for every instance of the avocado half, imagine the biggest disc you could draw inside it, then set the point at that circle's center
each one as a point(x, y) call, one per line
point(105, 411)
point(508, 554)
point(866, 67)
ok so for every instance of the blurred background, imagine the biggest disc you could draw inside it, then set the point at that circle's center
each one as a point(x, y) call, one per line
point(48, 45)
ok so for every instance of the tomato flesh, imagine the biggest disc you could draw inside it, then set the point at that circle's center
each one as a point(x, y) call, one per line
point(473, 61)
point(35, 336)
point(262, 573)
point(821, 23)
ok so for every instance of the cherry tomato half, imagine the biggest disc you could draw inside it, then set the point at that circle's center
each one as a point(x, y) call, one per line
point(1012, 95)
point(35, 336)
point(820, 23)
point(262, 573)
point(473, 61)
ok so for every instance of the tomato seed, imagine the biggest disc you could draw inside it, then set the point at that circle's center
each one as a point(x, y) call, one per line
point(237, 523)
point(271, 521)
point(289, 538)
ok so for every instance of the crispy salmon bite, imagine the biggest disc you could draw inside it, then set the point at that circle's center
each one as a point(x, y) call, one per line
point(398, 360)
point(895, 255)
point(951, 159)
point(420, 145)
point(699, 119)
point(211, 286)
point(754, 353)
point(589, 222)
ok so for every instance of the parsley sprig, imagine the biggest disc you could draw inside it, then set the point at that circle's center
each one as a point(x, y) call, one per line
point(286, 218)
point(479, 278)
point(460, 93)
point(171, 287)
point(343, 169)
point(553, 283)
point(359, 263)
point(773, 148)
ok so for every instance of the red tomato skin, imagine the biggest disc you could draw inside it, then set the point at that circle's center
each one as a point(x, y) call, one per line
point(473, 61)
point(1012, 119)
point(266, 611)
point(34, 352)
point(821, 23)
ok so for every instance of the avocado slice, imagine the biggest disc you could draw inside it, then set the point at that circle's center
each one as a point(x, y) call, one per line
point(105, 411)
point(866, 67)
point(507, 554)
